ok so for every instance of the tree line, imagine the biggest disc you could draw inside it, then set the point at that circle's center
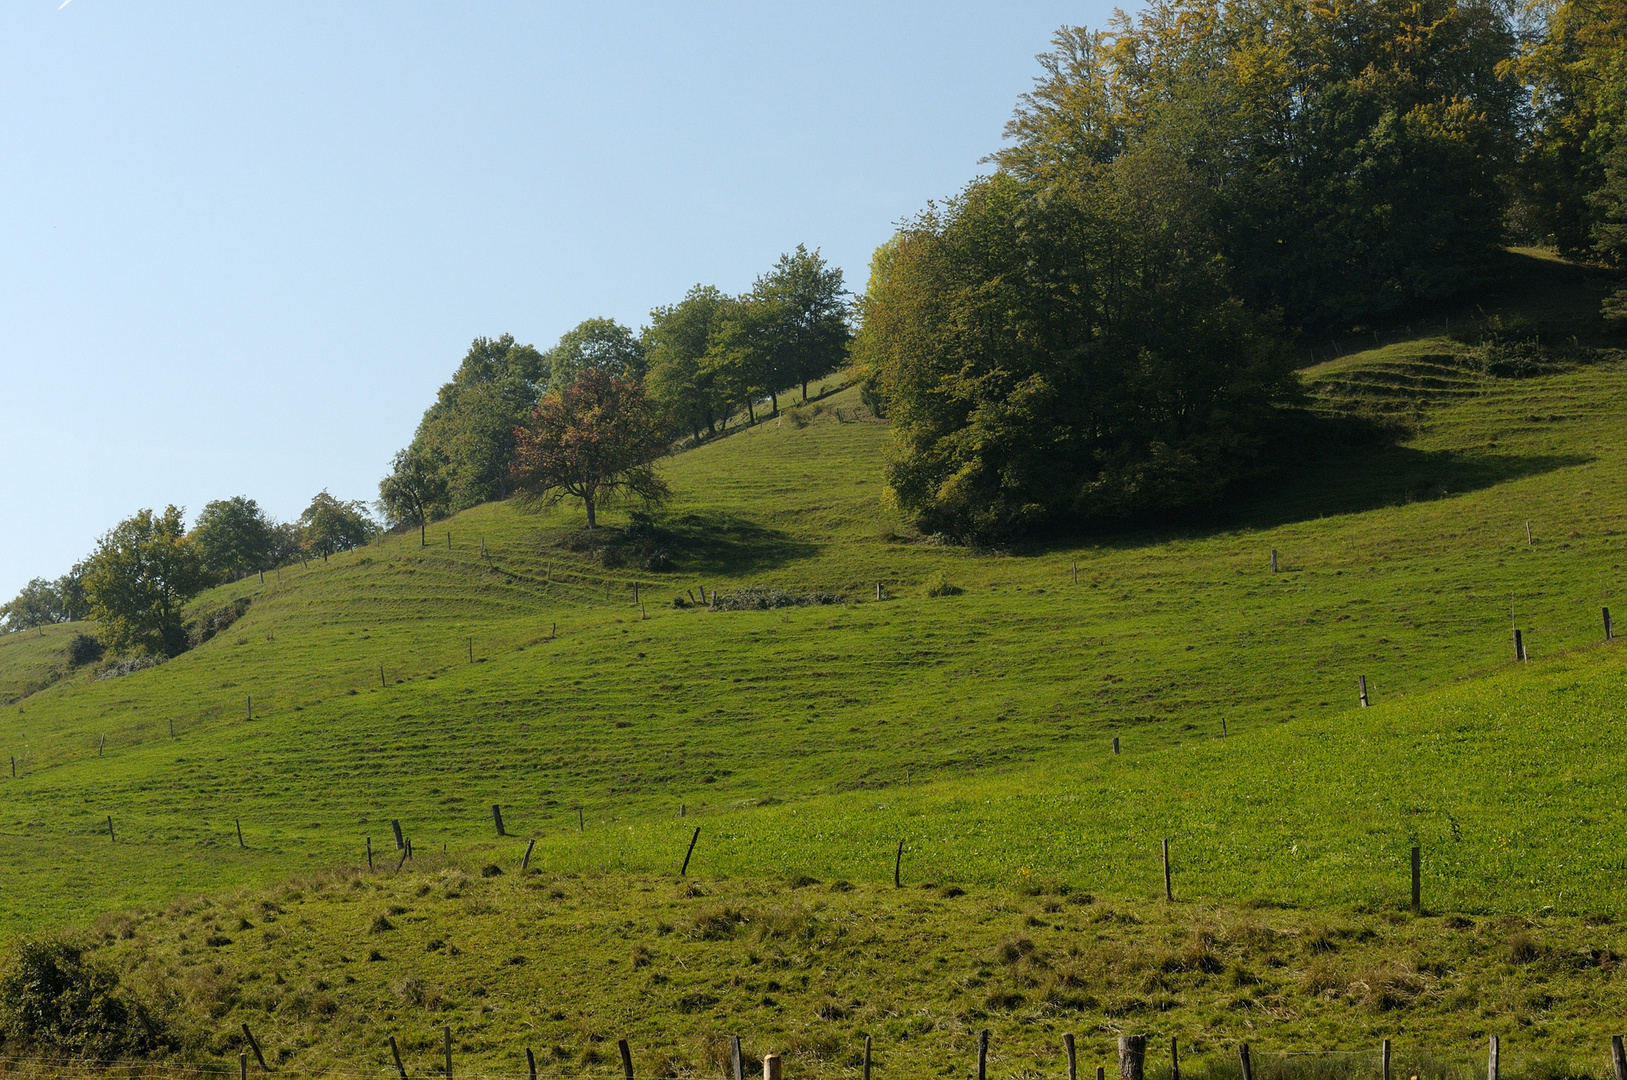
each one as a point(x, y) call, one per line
point(144, 570)
point(1100, 328)
point(588, 416)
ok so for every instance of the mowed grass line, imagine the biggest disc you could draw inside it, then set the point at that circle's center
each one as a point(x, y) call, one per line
point(1165, 635)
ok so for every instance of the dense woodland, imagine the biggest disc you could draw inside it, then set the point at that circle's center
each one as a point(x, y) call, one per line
point(1102, 328)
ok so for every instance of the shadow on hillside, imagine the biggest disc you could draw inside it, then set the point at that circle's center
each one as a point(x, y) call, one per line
point(1337, 477)
point(712, 541)
point(1356, 479)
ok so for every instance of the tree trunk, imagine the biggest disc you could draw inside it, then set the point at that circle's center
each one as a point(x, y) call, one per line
point(422, 524)
point(805, 391)
point(775, 400)
point(587, 501)
point(751, 411)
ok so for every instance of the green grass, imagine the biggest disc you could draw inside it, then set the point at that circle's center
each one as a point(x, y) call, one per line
point(976, 727)
point(34, 659)
point(325, 968)
point(1166, 634)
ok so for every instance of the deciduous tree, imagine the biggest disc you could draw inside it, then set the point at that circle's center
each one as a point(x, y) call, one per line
point(594, 439)
point(138, 580)
point(414, 489)
point(329, 525)
point(233, 536)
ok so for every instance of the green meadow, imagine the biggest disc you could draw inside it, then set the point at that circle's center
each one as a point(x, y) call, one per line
point(508, 662)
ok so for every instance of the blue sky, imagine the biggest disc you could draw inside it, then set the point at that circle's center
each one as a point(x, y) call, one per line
point(242, 244)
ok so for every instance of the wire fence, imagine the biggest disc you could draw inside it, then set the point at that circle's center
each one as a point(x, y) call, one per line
point(1024, 1064)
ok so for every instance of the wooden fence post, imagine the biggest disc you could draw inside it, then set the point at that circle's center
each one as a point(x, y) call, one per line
point(239, 823)
point(1361, 689)
point(1384, 1054)
point(735, 1059)
point(1073, 1061)
point(1169, 894)
point(497, 818)
point(1618, 1059)
point(446, 1032)
point(1132, 1057)
point(530, 1059)
point(1607, 634)
point(259, 1057)
point(696, 836)
point(1242, 1057)
point(1416, 881)
point(867, 1056)
point(400, 842)
point(983, 1054)
point(1528, 542)
point(898, 865)
point(1115, 744)
point(110, 835)
point(626, 1059)
point(1519, 645)
point(370, 853)
point(525, 862)
point(243, 1066)
point(772, 1067)
point(580, 825)
point(396, 1053)
point(1491, 1060)
point(1174, 1060)
point(1273, 560)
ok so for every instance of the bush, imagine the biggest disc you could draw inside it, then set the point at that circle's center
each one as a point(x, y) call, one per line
point(939, 585)
point(84, 649)
point(52, 999)
point(765, 597)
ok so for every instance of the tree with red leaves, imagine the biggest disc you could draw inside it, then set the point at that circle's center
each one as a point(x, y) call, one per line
point(597, 438)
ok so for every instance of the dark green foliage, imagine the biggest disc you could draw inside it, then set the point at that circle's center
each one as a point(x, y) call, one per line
point(234, 537)
point(84, 649)
point(1356, 154)
point(416, 488)
point(594, 344)
point(683, 377)
point(39, 603)
point(468, 433)
point(142, 573)
point(1610, 231)
point(1577, 70)
point(1068, 354)
point(55, 1001)
point(806, 315)
point(331, 525)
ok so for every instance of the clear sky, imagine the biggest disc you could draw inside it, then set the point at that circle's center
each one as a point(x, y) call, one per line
point(242, 244)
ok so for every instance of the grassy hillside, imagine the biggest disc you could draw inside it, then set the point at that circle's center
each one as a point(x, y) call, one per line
point(325, 968)
point(1401, 563)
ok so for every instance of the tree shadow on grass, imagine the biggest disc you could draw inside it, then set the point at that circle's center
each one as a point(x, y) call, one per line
point(1363, 478)
point(714, 542)
point(1332, 467)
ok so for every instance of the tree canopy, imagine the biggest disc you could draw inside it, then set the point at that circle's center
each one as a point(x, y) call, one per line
point(595, 439)
point(234, 536)
point(139, 579)
point(1356, 152)
point(469, 430)
point(414, 489)
point(597, 345)
point(329, 525)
